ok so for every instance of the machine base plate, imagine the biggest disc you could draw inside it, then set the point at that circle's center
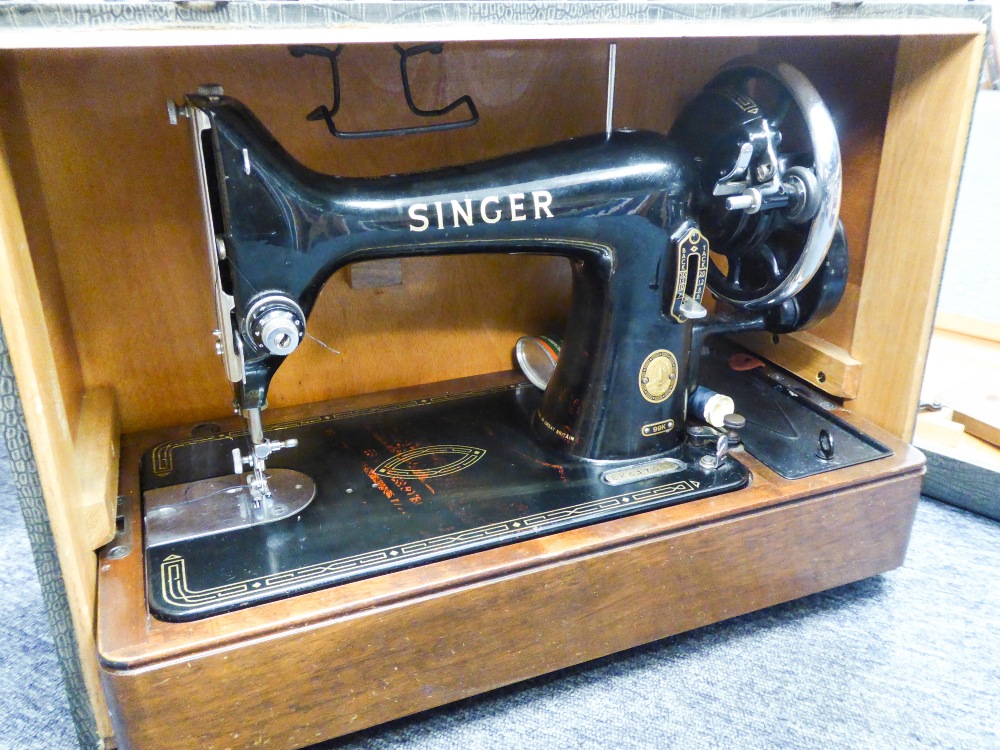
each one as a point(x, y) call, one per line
point(396, 486)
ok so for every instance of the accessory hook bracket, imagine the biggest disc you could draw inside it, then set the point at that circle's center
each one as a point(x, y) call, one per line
point(327, 114)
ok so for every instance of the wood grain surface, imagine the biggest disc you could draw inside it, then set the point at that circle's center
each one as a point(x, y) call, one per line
point(824, 365)
point(341, 659)
point(129, 238)
point(911, 218)
point(854, 78)
point(96, 449)
point(35, 358)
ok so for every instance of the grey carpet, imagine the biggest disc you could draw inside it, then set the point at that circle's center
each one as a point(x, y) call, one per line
point(34, 712)
point(908, 659)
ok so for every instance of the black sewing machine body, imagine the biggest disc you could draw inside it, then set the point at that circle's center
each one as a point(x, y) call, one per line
point(433, 478)
point(616, 206)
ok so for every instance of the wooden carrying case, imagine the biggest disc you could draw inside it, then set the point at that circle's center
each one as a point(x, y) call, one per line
point(105, 301)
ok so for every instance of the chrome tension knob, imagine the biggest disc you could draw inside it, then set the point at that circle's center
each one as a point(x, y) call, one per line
point(276, 323)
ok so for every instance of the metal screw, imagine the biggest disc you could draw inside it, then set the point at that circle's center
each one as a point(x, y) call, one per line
point(175, 112)
point(211, 89)
point(733, 423)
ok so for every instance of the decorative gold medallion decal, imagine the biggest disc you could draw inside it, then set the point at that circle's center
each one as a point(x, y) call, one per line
point(402, 466)
point(658, 376)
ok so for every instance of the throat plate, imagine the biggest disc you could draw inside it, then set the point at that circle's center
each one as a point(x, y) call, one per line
point(212, 506)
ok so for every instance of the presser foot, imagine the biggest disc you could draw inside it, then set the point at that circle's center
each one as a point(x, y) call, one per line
point(220, 504)
point(257, 481)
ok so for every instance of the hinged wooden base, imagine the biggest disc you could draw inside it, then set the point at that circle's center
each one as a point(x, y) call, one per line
point(300, 670)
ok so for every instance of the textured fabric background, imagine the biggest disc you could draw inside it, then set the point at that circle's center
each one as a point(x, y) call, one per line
point(34, 712)
point(34, 649)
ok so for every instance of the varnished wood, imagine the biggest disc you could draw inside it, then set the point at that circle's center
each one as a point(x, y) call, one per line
point(672, 73)
point(96, 450)
point(35, 216)
point(137, 281)
point(854, 78)
point(375, 273)
point(918, 180)
point(824, 365)
point(344, 658)
point(36, 369)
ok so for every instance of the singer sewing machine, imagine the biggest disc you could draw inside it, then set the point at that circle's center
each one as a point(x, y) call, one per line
point(741, 198)
point(311, 567)
point(206, 610)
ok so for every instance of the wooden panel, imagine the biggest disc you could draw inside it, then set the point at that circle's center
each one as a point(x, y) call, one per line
point(35, 367)
point(138, 294)
point(97, 460)
point(345, 658)
point(35, 216)
point(375, 273)
point(813, 359)
point(928, 124)
point(343, 676)
point(146, 257)
point(647, 94)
